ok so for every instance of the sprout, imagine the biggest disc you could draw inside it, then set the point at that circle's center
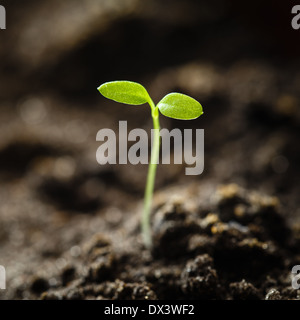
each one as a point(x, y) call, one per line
point(173, 105)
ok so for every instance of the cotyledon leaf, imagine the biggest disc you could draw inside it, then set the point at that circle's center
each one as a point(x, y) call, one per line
point(180, 106)
point(125, 92)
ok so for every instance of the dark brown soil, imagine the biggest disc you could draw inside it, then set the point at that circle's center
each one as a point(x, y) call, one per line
point(69, 228)
point(232, 245)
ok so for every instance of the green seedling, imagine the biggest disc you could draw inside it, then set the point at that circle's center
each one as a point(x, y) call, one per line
point(173, 105)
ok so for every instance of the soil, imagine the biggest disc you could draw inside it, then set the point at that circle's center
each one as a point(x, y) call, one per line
point(70, 228)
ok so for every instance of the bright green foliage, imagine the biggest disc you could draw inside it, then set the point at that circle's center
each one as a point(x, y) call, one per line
point(173, 105)
point(125, 92)
point(180, 106)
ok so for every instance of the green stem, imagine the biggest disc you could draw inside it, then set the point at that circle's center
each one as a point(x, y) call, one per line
point(145, 221)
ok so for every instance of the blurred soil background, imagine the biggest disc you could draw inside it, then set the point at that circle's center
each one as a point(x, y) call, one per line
point(239, 59)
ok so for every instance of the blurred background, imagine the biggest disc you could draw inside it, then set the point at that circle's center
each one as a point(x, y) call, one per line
point(239, 59)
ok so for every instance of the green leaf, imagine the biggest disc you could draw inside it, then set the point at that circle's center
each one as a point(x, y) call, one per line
point(125, 92)
point(180, 106)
